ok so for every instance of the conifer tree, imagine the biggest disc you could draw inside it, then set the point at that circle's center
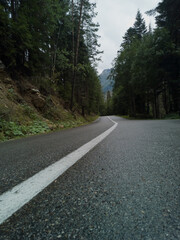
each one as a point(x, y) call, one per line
point(139, 25)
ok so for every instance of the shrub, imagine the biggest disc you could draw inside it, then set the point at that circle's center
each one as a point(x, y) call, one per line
point(10, 130)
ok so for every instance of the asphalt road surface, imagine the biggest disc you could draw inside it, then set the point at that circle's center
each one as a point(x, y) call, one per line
point(127, 187)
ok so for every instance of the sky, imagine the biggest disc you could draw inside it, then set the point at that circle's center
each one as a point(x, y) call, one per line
point(115, 17)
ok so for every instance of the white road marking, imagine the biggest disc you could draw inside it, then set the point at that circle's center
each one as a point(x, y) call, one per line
point(18, 196)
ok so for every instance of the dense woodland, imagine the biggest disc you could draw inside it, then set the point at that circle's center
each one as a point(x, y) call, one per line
point(54, 44)
point(146, 69)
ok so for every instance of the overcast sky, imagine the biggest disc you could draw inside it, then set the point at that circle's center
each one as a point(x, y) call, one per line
point(115, 17)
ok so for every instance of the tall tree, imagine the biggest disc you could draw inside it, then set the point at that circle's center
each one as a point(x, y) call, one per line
point(139, 25)
point(145, 73)
point(169, 17)
point(85, 38)
point(56, 40)
point(75, 57)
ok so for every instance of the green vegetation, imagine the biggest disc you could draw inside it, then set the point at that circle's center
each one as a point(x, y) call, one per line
point(55, 45)
point(31, 112)
point(146, 69)
point(37, 125)
point(10, 130)
point(138, 117)
point(50, 49)
point(172, 116)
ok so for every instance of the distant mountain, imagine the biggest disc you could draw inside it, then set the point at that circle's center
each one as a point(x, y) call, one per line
point(106, 83)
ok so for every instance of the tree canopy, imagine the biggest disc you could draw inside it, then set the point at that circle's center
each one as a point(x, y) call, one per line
point(146, 69)
point(56, 40)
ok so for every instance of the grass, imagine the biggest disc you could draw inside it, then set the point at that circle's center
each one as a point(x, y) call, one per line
point(141, 117)
point(13, 130)
point(138, 117)
point(173, 116)
point(20, 118)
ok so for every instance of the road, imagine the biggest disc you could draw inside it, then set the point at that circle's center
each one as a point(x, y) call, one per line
point(127, 187)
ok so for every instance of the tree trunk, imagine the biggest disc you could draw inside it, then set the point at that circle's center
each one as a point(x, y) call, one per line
point(133, 104)
point(155, 107)
point(83, 111)
point(75, 61)
point(14, 7)
point(78, 36)
point(147, 104)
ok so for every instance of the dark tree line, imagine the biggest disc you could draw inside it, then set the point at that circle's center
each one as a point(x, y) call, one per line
point(56, 41)
point(146, 69)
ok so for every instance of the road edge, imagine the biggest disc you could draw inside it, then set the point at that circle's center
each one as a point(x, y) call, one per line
point(12, 200)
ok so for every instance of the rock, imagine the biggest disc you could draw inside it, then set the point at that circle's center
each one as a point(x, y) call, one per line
point(34, 91)
point(52, 127)
point(38, 101)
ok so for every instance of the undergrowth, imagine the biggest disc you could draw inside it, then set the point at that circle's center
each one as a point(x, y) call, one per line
point(143, 117)
point(10, 129)
point(173, 116)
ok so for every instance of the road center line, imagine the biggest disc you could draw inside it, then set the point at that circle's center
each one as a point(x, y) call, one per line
point(18, 196)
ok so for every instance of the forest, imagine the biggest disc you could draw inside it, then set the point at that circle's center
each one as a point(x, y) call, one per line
point(146, 69)
point(55, 45)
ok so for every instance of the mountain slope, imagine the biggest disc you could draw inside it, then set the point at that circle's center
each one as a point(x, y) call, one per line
point(106, 83)
point(26, 110)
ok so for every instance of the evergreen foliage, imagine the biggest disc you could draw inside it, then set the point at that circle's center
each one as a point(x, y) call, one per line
point(55, 40)
point(146, 69)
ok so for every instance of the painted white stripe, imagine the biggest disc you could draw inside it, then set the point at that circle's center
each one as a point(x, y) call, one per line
point(14, 199)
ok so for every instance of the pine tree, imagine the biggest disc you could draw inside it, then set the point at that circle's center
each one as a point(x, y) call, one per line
point(55, 39)
point(169, 17)
point(139, 25)
point(85, 41)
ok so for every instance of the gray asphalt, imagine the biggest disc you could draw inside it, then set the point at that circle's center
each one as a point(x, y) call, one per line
point(23, 158)
point(127, 187)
